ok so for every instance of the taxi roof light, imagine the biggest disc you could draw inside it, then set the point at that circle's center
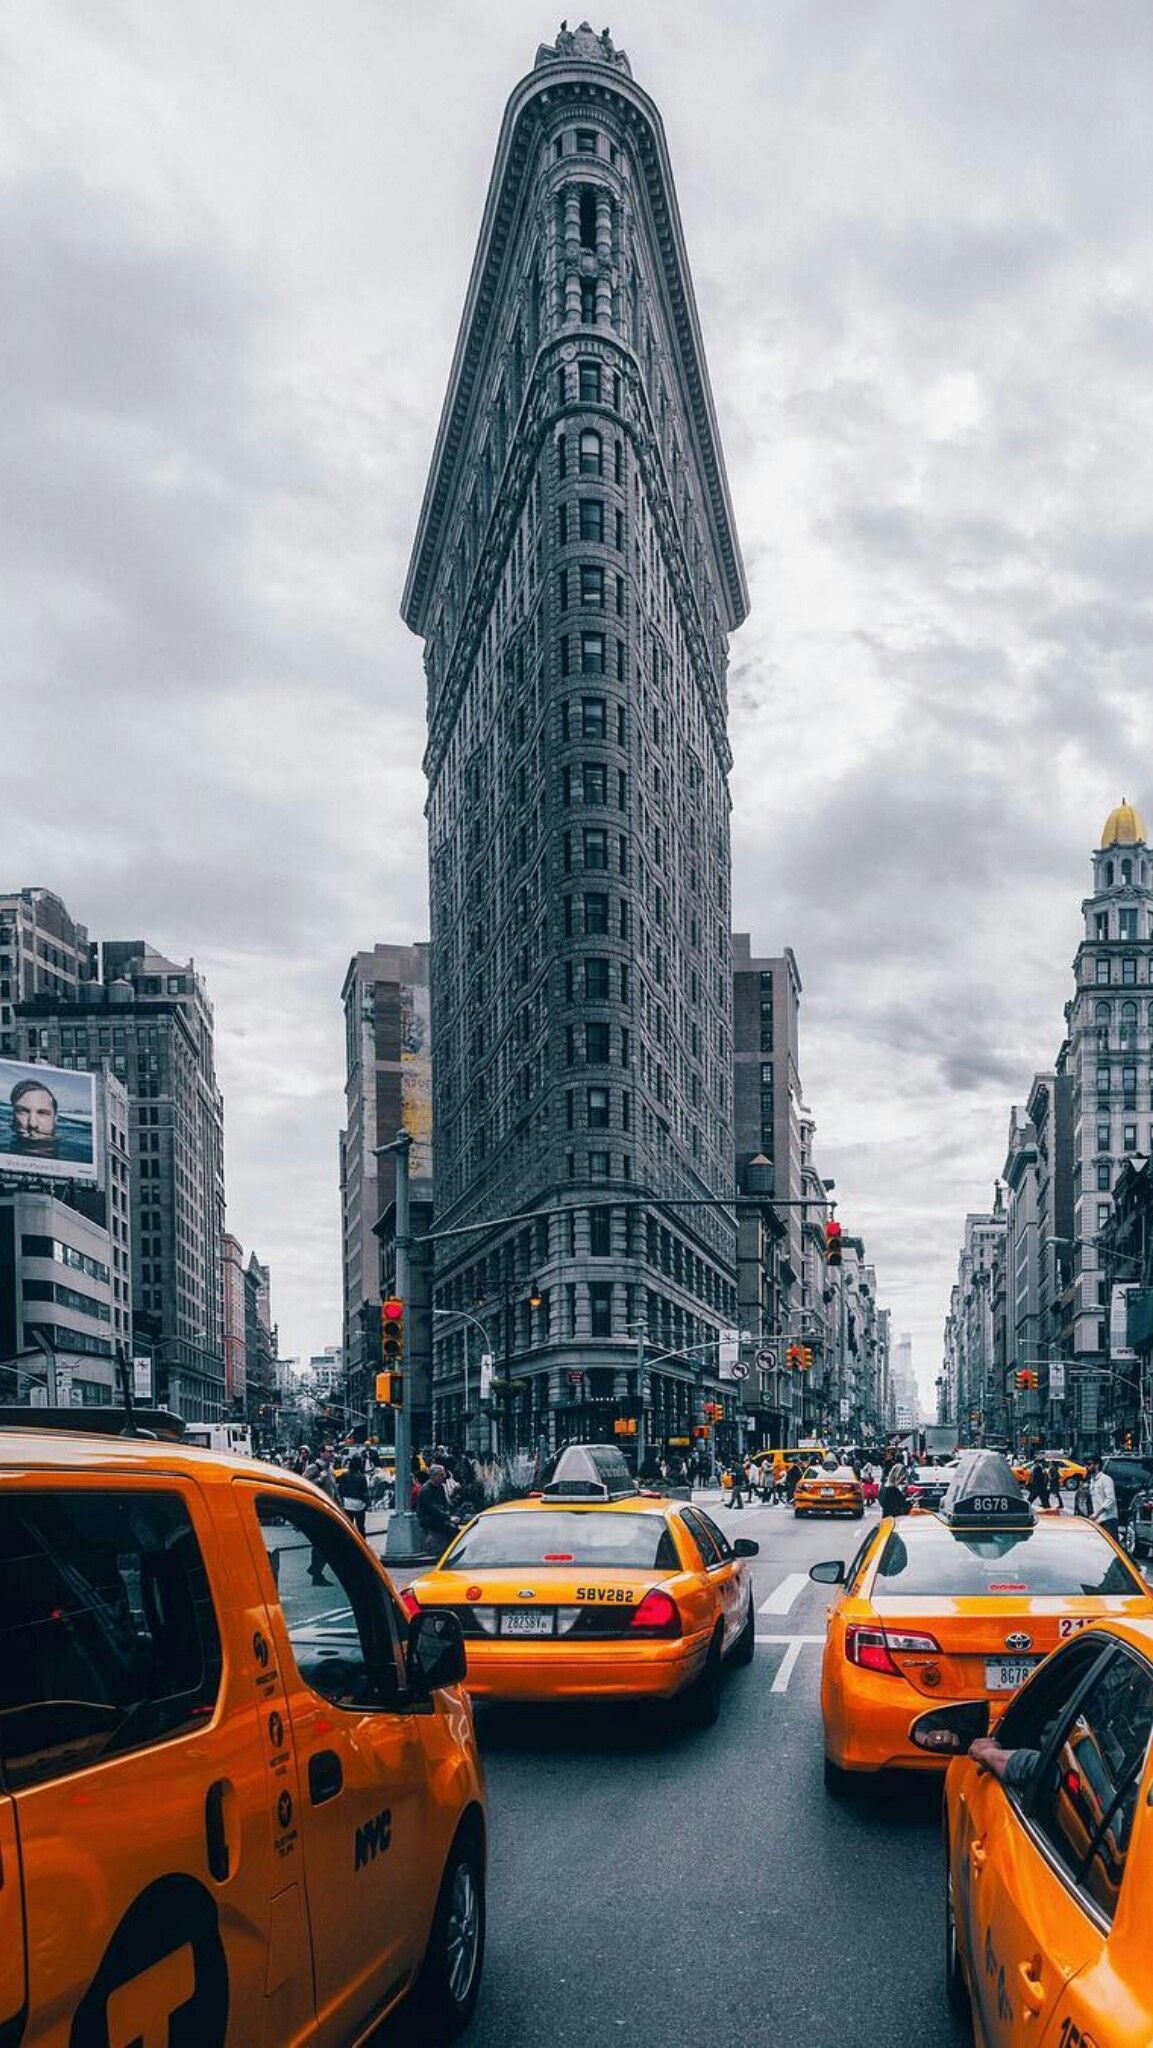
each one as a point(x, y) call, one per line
point(984, 1492)
point(591, 1472)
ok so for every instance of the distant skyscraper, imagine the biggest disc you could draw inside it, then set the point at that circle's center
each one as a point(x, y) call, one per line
point(1110, 1037)
point(148, 1020)
point(42, 952)
point(388, 1088)
point(575, 577)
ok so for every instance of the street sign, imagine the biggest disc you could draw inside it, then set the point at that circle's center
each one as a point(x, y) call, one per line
point(844, 1409)
point(486, 1367)
point(142, 1379)
point(739, 1370)
point(1057, 1381)
point(727, 1353)
point(766, 1357)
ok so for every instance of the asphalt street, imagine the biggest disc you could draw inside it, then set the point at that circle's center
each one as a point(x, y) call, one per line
point(674, 1888)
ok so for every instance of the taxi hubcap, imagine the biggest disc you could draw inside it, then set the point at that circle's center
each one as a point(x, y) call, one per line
point(463, 1934)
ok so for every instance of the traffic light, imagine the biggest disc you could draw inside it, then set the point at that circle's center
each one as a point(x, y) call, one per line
point(806, 1357)
point(390, 1389)
point(625, 1425)
point(1128, 1439)
point(1021, 1381)
point(834, 1250)
point(391, 1329)
point(793, 1356)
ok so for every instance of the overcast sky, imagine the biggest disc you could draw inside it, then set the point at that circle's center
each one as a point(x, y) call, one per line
point(234, 243)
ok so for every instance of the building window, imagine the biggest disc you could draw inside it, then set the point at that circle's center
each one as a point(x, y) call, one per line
point(593, 725)
point(596, 1045)
point(1128, 971)
point(596, 980)
point(590, 383)
point(591, 456)
point(588, 223)
point(1129, 1137)
point(588, 304)
point(596, 915)
point(600, 1308)
point(592, 654)
point(600, 1232)
point(597, 1109)
point(1103, 1214)
point(592, 586)
point(1102, 972)
point(594, 782)
point(1127, 924)
point(586, 141)
point(1104, 1176)
point(596, 847)
point(599, 1165)
point(565, 657)
point(592, 519)
point(1104, 1137)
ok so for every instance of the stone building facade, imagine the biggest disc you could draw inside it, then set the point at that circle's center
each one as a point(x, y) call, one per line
point(148, 1020)
point(575, 578)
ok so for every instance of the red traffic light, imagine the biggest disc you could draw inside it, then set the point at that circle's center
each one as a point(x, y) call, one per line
point(392, 1307)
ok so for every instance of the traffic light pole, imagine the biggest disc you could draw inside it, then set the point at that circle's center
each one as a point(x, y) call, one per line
point(403, 1538)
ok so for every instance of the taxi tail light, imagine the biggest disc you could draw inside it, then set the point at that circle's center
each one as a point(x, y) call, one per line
point(409, 1602)
point(872, 1648)
point(657, 1615)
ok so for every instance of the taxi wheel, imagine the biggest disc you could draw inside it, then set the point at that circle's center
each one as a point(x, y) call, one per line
point(956, 1990)
point(838, 1783)
point(701, 1704)
point(450, 1979)
point(745, 1647)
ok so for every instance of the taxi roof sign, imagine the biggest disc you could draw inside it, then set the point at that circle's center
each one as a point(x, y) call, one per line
point(983, 1491)
point(590, 1472)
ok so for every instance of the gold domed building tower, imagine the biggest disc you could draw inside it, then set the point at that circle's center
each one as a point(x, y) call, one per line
point(1110, 1048)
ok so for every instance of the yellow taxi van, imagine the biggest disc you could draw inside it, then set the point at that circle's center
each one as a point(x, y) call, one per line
point(236, 1783)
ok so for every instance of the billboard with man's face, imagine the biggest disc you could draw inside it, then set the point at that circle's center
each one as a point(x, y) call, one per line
point(47, 1121)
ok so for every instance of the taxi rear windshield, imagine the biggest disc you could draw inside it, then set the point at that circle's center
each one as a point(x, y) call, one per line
point(560, 1536)
point(1007, 1561)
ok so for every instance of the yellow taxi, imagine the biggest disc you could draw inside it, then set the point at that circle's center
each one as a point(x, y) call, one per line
point(959, 1605)
point(1070, 1471)
point(593, 1589)
point(829, 1489)
point(1049, 1830)
point(240, 1797)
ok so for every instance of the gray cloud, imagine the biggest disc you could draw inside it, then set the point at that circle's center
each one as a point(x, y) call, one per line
point(233, 251)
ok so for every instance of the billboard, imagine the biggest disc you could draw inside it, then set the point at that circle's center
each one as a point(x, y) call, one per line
point(47, 1121)
point(416, 1084)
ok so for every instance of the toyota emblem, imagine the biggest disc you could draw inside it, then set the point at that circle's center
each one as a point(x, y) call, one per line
point(526, 1593)
point(1018, 1641)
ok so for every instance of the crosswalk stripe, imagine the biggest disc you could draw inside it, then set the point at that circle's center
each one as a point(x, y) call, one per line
point(782, 1597)
point(785, 1668)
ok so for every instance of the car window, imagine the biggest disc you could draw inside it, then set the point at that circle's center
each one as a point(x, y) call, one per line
point(1084, 1804)
point(856, 1567)
point(108, 1635)
point(339, 1616)
point(704, 1535)
point(565, 1536)
point(1055, 1558)
point(723, 1546)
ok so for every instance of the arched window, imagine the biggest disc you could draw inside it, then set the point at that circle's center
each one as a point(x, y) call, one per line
point(1101, 1016)
point(588, 217)
point(1126, 871)
point(590, 453)
point(1108, 874)
point(1128, 1026)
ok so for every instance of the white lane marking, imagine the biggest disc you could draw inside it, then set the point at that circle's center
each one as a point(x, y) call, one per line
point(786, 1666)
point(782, 1597)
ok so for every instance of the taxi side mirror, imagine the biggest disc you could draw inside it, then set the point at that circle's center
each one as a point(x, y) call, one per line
point(434, 1653)
point(745, 1547)
point(830, 1573)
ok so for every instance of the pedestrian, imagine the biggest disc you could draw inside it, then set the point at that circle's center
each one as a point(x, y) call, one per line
point(316, 1572)
point(1102, 1497)
point(893, 1501)
point(353, 1487)
point(792, 1481)
point(432, 1510)
point(1055, 1481)
point(736, 1478)
point(1039, 1483)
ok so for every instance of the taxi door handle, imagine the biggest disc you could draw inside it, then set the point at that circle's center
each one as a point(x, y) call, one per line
point(215, 1835)
point(325, 1776)
point(978, 1854)
point(1032, 1983)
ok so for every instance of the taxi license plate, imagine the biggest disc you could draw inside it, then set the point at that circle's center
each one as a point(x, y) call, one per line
point(516, 1624)
point(828, 1492)
point(1005, 1674)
